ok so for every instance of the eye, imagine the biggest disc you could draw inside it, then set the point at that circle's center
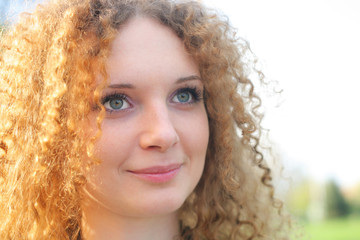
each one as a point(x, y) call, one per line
point(182, 97)
point(115, 102)
point(187, 95)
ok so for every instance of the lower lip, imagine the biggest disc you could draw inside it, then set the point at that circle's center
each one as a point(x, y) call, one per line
point(158, 177)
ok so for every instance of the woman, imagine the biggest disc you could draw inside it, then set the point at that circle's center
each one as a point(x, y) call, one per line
point(130, 119)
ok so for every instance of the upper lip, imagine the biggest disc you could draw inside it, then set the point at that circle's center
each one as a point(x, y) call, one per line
point(157, 169)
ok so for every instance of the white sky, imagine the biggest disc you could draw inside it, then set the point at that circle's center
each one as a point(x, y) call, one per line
point(312, 48)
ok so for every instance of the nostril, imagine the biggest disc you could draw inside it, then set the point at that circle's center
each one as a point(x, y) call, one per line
point(153, 147)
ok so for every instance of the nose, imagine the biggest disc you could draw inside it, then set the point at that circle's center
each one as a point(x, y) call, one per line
point(158, 131)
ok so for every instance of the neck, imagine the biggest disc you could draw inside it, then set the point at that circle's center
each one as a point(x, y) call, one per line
point(99, 223)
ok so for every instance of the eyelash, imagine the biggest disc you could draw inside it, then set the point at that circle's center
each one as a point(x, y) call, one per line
point(194, 91)
point(112, 96)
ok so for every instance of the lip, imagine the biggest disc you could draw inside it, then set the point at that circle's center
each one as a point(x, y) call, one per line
point(157, 174)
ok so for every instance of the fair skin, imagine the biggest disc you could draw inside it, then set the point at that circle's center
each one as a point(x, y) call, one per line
point(154, 137)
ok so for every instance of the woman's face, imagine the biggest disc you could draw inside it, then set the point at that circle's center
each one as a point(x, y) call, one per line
point(155, 133)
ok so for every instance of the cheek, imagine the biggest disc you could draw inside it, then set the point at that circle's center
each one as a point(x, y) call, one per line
point(115, 143)
point(194, 134)
point(113, 148)
point(201, 136)
point(198, 132)
point(195, 142)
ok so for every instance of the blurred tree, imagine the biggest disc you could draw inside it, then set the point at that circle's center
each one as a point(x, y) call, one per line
point(353, 198)
point(335, 203)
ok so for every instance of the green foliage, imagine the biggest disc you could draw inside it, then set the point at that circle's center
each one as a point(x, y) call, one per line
point(334, 229)
point(353, 198)
point(314, 201)
point(335, 204)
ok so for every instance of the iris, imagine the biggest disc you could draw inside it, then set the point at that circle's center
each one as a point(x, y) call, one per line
point(116, 103)
point(183, 97)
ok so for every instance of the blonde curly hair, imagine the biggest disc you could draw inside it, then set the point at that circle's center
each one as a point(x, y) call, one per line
point(52, 57)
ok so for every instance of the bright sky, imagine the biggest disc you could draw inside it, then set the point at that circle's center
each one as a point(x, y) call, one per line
point(312, 48)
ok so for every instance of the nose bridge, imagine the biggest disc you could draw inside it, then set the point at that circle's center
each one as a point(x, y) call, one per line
point(158, 129)
point(158, 118)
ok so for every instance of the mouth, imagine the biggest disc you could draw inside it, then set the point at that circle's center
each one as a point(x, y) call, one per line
point(157, 174)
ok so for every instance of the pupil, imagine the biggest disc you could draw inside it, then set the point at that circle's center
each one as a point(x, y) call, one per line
point(116, 103)
point(183, 97)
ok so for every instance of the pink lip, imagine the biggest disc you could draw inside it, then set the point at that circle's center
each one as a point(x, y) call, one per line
point(157, 174)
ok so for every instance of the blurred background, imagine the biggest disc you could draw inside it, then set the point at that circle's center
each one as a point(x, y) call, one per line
point(312, 49)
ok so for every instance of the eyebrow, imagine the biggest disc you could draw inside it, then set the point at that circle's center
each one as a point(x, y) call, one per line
point(122, 85)
point(189, 78)
point(178, 81)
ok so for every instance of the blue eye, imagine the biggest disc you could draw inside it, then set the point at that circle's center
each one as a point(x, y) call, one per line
point(115, 102)
point(183, 97)
point(187, 95)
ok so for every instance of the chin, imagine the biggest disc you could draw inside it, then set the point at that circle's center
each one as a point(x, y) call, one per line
point(159, 206)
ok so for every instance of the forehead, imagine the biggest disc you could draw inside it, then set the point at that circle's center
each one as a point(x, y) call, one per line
point(145, 47)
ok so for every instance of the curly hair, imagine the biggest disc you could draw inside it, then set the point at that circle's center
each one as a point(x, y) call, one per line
point(52, 56)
